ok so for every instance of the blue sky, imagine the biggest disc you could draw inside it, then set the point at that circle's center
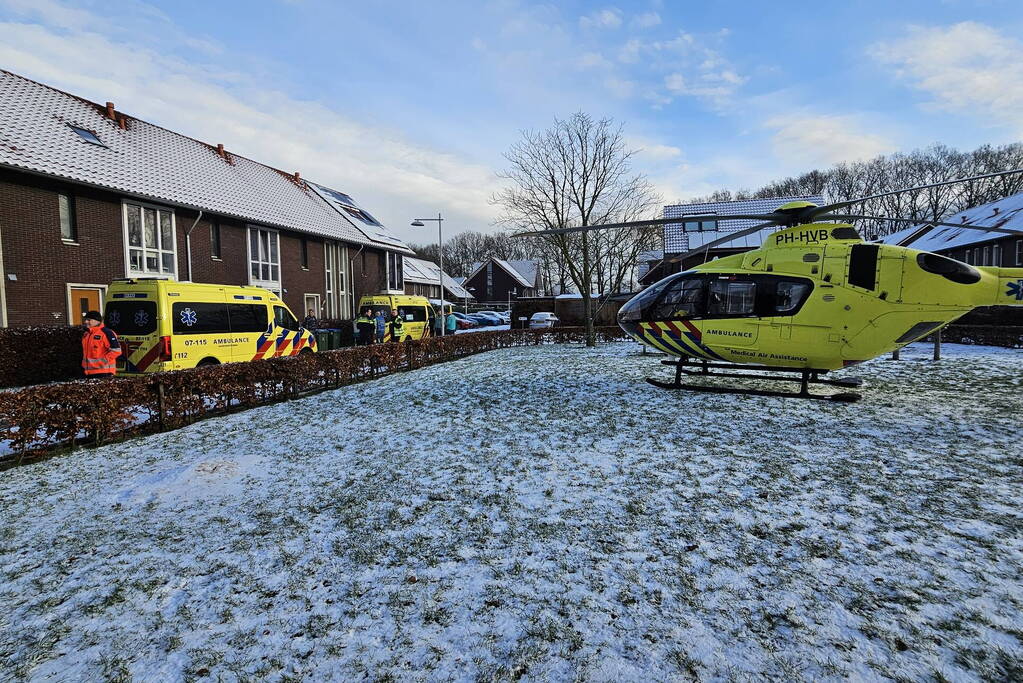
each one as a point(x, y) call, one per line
point(408, 106)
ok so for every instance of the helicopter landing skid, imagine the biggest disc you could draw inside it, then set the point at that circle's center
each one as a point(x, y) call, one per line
point(805, 378)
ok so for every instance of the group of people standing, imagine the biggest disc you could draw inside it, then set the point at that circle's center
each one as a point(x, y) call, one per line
point(372, 325)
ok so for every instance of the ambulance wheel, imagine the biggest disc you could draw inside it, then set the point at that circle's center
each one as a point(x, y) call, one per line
point(206, 362)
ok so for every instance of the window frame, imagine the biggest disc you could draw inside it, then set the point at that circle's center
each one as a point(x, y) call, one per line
point(272, 285)
point(72, 217)
point(394, 266)
point(128, 247)
point(216, 246)
point(764, 298)
point(1019, 252)
point(303, 253)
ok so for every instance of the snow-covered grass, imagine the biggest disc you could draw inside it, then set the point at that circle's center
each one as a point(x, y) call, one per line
point(538, 513)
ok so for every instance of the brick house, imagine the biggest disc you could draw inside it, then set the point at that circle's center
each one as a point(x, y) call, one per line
point(89, 194)
point(496, 280)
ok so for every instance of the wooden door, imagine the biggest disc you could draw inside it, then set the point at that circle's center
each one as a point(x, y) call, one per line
point(82, 301)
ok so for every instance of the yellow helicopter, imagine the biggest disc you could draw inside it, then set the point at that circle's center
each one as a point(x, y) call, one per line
point(813, 298)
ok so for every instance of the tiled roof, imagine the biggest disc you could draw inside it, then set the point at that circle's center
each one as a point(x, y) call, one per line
point(418, 270)
point(677, 240)
point(1004, 213)
point(149, 162)
point(527, 269)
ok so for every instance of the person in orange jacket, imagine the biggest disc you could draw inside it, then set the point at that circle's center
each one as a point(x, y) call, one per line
point(100, 347)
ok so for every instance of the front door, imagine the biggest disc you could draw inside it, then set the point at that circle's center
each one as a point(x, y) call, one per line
point(83, 300)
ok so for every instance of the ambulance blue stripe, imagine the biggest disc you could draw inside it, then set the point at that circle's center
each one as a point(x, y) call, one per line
point(703, 346)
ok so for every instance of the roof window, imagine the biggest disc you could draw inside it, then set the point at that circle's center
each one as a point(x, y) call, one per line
point(87, 135)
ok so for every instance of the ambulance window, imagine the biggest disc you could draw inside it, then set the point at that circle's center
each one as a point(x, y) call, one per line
point(283, 318)
point(685, 298)
point(789, 296)
point(199, 318)
point(131, 317)
point(731, 297)
point(415, 314)
point(247, 317)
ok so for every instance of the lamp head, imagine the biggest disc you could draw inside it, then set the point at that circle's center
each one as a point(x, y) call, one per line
point(418, 224)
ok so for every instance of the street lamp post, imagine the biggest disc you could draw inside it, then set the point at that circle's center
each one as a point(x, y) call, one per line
point(418, 223)
point(466, 299)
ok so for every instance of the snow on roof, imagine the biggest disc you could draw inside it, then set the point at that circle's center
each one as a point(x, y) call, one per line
point(38, 134)
point(426, 272)
point(677, 239)
point(527, 269)
point(1004, 213)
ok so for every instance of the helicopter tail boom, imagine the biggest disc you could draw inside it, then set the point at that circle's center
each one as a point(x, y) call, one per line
point(1010, 286)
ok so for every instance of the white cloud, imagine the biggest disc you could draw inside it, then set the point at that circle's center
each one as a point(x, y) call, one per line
point(651, 151)
point(967, 67)
point(392, 175)
point(647, 20)
point(605, 18)
point(823, 140)
point(590, 60)
point(620, 87)
point(629, 54)
point(675, 83)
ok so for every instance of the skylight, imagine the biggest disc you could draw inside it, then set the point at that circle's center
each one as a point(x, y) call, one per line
point(87, 135)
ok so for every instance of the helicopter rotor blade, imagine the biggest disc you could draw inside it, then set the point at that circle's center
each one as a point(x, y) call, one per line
point(827, 208)
point(984, 228)
point(728, 237)
point(775, 218)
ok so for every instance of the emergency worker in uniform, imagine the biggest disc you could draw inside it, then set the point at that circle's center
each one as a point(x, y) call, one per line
point(100, 347)
point(366, 326)
point(397, 326)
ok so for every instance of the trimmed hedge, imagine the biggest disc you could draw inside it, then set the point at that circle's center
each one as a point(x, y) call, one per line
point(985, 335)
point(38, 419)
point(36, 355)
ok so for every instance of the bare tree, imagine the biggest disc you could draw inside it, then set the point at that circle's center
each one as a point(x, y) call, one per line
point(578, 173)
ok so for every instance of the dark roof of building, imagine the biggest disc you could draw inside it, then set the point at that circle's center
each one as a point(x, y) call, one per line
point(1004, 213)
point(49, 132)
point(523, 272)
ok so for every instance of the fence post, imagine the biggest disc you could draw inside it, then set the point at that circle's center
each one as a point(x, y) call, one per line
point(895, 354)
point(937, 345)
point(160, 405)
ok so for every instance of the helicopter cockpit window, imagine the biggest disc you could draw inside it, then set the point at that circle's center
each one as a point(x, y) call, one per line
point(731, 297)
point(789, 295)
point(684, 299)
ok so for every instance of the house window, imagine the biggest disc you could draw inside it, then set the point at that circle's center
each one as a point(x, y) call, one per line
point(150, 240)
point(1019, 252)
point(68, 222)
point(215, 240)
point(490, 280)
point(996, 254)
point(395, 276)
point(700, 226)
point(305, 254)
point(264, 258)
point(335, 262)
point(986, 259)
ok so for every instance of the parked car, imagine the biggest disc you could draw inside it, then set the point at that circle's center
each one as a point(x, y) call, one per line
point(505, 316)
point(485, 319)
point(540, 321)
point(464, 321)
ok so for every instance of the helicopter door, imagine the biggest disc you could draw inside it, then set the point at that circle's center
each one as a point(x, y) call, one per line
point(731, 312)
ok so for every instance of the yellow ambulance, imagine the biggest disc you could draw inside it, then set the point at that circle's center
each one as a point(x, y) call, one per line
point(169, 325)
point(416, 312)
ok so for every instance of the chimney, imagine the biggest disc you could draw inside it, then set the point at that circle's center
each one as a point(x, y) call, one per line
point(122, 122)
point(220, 149)
point(111, 114)
point(298, 178)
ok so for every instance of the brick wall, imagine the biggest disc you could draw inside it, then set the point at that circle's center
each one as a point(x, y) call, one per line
point(34, 252)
